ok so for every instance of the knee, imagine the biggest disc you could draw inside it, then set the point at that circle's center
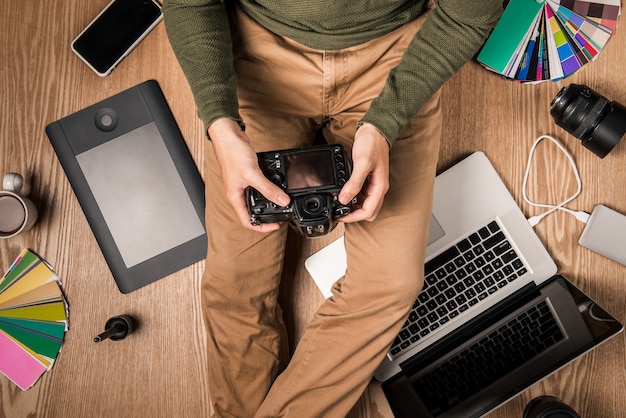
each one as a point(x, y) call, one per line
point(392, 266)
point(390, 286)
point(231, 285)
point(404, 286)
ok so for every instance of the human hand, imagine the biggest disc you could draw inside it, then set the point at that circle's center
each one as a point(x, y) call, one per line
point(240, 168)
point(370, 175)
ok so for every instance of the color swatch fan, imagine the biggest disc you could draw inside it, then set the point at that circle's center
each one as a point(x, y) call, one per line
point(33, 320)
point(539, 40)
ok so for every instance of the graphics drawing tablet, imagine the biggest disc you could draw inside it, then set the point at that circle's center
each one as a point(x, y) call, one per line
point(136, 182)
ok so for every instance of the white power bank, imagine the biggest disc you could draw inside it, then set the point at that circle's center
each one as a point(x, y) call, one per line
point(605, 233)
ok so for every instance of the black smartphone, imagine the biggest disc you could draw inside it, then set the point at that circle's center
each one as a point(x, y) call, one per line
point(117, 29)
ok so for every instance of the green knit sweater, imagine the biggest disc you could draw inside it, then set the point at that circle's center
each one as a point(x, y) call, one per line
point(199, 33)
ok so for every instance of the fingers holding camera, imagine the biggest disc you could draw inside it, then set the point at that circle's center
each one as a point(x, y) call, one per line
point(240, 168)
point(370, 175)
point(237, 197)
point(270, 191)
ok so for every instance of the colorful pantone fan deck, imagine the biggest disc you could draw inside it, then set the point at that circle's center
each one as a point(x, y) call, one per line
point(33, 320)
point(539, 40)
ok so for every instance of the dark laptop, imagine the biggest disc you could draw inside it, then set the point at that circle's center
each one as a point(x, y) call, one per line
point(500, 353)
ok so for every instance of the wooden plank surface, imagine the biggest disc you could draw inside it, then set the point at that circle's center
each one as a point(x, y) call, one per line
point(160, 371)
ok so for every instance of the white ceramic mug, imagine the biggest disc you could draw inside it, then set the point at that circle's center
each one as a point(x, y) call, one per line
point(17, 213)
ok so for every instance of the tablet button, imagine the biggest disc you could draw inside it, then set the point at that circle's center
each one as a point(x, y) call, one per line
point(106, 119)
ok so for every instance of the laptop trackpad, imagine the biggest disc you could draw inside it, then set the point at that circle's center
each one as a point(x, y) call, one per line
point(435, 231)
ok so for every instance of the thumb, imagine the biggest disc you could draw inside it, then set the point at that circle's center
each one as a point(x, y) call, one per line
point(353, 186)
point(271, 191)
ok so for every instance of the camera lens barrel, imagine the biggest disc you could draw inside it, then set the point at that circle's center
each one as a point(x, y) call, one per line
point(548, 407)
point(590, 117)
point(609, 132)
point(578, 109)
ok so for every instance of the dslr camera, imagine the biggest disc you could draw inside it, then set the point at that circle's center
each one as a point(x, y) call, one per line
point(312, 177)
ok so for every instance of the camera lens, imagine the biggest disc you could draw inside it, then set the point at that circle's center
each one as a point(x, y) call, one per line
point(590, 117)
point(548, 407)
point(313, 204)
point(577, 109)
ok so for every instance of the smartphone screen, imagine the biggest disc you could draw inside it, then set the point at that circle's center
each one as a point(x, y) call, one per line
point(115, 32)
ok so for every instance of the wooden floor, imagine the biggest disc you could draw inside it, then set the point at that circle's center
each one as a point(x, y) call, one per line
point(159, 371)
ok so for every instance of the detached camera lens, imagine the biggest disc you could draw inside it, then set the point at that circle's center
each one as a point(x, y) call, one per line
point(590, 117)
point(548, 407)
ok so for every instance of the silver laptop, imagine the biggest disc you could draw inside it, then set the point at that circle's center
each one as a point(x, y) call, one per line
point(485, 266)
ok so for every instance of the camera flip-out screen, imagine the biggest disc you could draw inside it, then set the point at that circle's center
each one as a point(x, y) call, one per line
point(309, 169)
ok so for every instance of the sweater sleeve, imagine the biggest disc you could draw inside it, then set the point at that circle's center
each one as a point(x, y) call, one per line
point(199, 33)
point(450, 36)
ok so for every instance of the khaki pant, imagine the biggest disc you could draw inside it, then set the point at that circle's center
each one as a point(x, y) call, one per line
point(286, 93)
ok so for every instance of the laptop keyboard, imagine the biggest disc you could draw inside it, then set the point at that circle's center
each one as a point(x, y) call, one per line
point(484, 362)
point(466, 274)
